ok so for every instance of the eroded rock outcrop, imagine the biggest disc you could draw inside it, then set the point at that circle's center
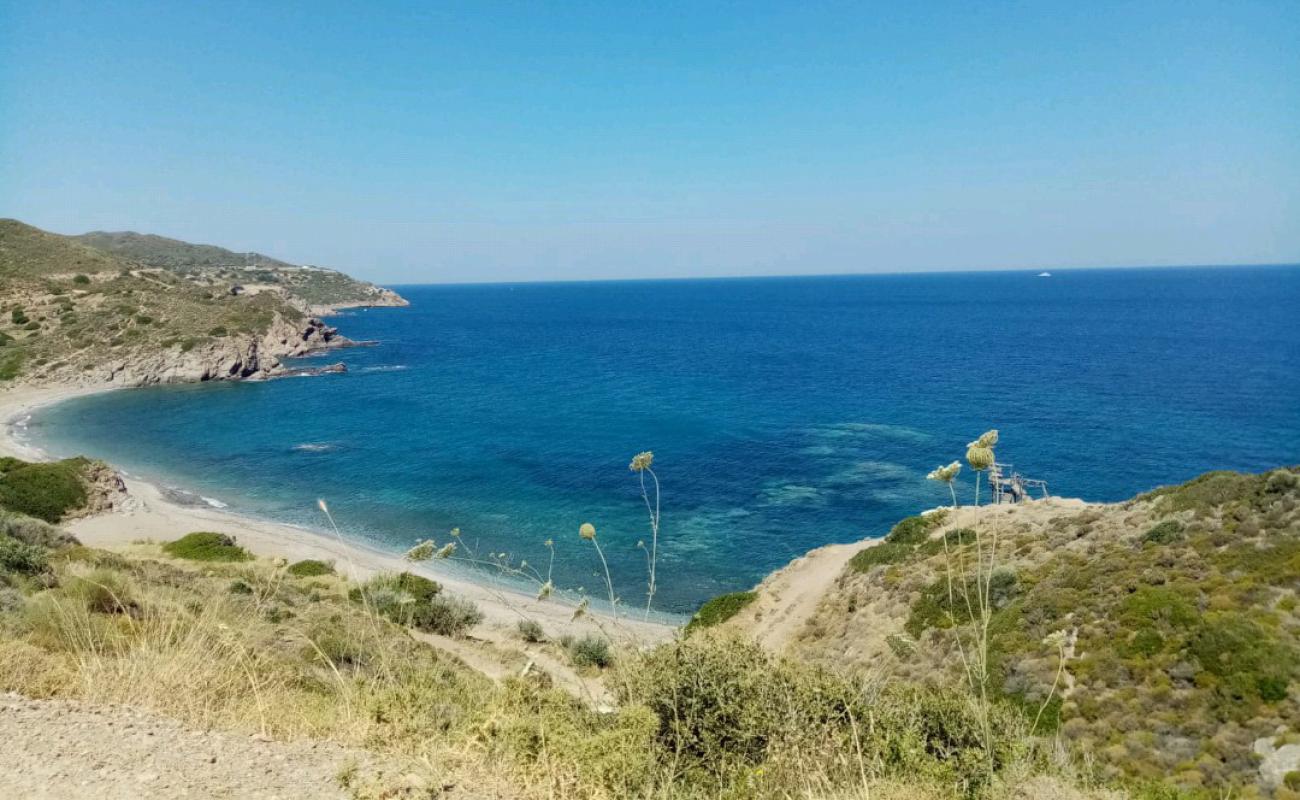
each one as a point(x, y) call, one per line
point(105, 491)
point(236, 357)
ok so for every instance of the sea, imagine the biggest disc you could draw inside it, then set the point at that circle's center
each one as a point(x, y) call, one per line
point(783, 413)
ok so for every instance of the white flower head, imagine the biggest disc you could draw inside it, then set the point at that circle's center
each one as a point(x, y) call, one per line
point(945, 474)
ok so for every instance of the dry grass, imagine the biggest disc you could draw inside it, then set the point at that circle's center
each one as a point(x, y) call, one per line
point(250, 648)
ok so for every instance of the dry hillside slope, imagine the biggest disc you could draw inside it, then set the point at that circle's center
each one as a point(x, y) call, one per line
point(1159, 634)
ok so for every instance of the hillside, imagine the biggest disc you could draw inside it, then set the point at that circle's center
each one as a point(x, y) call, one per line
point(1160, 635)
point(314, 289)
point(73, 315)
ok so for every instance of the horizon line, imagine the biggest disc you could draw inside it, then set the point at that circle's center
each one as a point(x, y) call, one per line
point(894, 274)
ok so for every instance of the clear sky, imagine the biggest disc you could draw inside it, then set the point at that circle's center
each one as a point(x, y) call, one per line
point(423, 142)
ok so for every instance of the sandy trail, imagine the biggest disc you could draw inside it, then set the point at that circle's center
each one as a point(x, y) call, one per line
point(64, 750)
point(788, 598)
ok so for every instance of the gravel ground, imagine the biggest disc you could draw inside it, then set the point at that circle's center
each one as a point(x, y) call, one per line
point(65, 750)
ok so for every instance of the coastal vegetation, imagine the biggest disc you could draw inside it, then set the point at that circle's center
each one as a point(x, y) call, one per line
point(207, 546)
point(46, 491)
point(707, 717)
point(719, 610)
point(1056, 648)
point(1159, 636)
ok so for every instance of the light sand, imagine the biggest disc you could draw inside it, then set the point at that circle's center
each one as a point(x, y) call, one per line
point(789, 597)
point(152, 516)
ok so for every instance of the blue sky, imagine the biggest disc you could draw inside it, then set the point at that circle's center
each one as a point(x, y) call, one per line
point(528, 141)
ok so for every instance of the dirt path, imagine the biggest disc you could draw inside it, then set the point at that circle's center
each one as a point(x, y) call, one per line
point(788, 597)
point(65, 750)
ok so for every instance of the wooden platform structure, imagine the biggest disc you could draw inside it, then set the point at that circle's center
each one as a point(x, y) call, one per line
point(1010, 486)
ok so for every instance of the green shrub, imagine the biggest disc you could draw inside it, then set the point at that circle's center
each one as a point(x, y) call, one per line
point(18, 316)
point(207, 546)
point(22, 558)
point(719, 610)
point(912, 530)
point(882, 552)
point(933, 609)
point(11, 366)
point(81, 280)
point(590, 651)
point(531, 631)
point(218, 331)
point(45, 491)
point(1291, 780)
point(410, 599)
point(1248, 664)
point(310, 568)
point(34, 531)
point(1167, 532)
point(448, 615)
point(729, 711)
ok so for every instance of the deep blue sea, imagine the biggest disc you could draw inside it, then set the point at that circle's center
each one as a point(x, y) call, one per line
point(784, 413)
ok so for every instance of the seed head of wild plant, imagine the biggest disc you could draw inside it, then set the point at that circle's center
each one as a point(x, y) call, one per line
point(641, 461)
point(979, 457)
point(587, 531)
point(545, 591)
point(945, 474)
point(423, 551)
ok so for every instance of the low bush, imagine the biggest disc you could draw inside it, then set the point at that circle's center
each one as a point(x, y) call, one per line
point(912, 530)
point(732, 714)
point(11, 366)
point(447, 615)
point(22, 558)
point(310, 568)
point(45, 491)
point(531, 631)
point(34, 531)
point(1167, 532)
point(719, 610)
point(207, 546)
point(590, 651)
point(81, 280)
point(882, 552)
point(416, 601)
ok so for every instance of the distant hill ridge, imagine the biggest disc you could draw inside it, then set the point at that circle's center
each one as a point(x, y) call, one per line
point(160, 251)
point(132, 309)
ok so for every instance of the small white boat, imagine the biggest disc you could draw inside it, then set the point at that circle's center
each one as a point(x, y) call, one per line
point(1044, 274)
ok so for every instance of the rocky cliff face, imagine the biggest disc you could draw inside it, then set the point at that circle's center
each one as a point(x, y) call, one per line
point(236, 357)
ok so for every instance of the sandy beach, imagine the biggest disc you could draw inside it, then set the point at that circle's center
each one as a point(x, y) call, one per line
point(152, 515)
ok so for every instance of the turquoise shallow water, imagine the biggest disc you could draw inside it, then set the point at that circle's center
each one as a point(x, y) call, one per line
point(784, 413)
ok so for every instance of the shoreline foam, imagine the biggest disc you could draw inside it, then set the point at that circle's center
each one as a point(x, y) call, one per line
point(153, 514)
